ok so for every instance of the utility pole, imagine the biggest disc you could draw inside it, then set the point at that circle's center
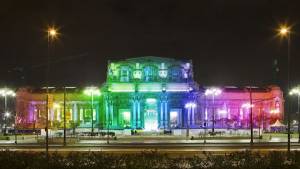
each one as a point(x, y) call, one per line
point(288, 112)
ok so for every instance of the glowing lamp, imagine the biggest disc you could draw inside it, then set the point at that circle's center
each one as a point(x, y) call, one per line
point(7, 114)
point(247, 105)
point(52, 32)
point(295, 91)
point(92, 91)
point(7, 92)
point(187, 65)
point(213, 91)
point(284, 30)
point(190, 105)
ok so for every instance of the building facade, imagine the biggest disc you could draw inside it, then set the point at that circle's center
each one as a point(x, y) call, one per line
point(151, 93)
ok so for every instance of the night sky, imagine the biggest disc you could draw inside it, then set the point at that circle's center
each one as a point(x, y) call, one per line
point(230, 43)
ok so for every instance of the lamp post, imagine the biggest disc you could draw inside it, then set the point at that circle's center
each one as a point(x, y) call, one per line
point(65, 128)
point(5, 92)
point(52, 34)
point(285, 32)
point(6, 116)
point(92, 91)
point(249, 89)
point(213, 92)
point(296, 91)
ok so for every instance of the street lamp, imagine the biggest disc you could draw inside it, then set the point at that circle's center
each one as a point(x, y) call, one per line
point(249, 89)
point(5, 92)
point(285, 32)
point(296, 91)
point(65, 96)
point(52, 34)
point(92, 91)
point(213, 92)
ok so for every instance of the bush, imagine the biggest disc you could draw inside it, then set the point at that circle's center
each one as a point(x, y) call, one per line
point(148, 160)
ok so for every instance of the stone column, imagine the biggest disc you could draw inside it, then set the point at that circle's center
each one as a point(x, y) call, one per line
point(75, 112)
point(193, 116)
point(134, 114)
point(166, 119)
point(106, 112)
point(138, 113)
point(111, 117)
point(161, 114)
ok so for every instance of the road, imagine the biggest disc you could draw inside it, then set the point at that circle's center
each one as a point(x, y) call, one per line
point(168, 148)
point(166, 144)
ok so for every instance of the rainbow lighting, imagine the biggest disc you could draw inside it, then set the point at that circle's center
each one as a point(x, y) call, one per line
point(151, 94)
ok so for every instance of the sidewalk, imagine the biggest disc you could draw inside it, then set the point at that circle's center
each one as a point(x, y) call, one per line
point(153, 139)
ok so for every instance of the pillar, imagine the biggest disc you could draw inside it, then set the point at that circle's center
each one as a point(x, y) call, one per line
point(133, 114)
point(106, 112)
point(161, 114)
point(138, 113)
point(166, 119)
point(193, 116)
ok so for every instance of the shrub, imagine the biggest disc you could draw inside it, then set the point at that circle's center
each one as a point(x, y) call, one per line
point(147, 160)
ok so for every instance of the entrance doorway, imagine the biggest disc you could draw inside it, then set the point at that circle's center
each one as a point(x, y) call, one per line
point(151, 115)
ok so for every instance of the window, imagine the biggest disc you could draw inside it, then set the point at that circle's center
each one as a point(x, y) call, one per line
point(175, 117)
point(81, 114)
point(175, 74)
point(125, 115)
point(87, 115)
point(149, 73)
point(124, 74)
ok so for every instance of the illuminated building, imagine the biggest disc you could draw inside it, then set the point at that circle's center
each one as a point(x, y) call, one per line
point(153, 93)
point(149, 93)
point(232, 107)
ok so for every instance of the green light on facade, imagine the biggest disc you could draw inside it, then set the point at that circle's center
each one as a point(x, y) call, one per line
point(92, 91)
point(126, 116)
point(151, 100)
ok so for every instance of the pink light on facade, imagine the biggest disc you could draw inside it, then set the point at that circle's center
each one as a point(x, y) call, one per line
point(223, 112)
point(241, 114)
point(247, 105)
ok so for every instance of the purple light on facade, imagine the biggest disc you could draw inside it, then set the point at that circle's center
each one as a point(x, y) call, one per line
point(190, 105)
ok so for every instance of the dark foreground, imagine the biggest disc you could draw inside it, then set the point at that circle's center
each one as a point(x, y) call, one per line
point(148, 160)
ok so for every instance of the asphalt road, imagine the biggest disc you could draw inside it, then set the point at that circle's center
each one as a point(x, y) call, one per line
point(168, 148)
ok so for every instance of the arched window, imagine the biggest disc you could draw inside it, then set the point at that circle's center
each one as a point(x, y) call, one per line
point(124, 74)
point(175, 74)
point(149, 73)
